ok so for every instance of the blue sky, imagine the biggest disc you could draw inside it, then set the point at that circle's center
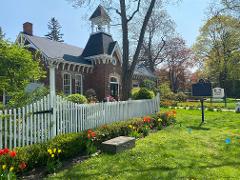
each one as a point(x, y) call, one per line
point(188, 15)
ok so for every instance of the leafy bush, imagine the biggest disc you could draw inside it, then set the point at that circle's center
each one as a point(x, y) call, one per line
point(165, 91)
point(77, 98)
point(143, 93)
point(148, 84)
point(181, 97)
point(21, 99)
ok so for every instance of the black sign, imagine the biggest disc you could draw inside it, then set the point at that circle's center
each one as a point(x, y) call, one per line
point(202, 89)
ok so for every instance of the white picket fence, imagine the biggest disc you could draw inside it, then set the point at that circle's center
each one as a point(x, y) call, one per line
point(49, 117)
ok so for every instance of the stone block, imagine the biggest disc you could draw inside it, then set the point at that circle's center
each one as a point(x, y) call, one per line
point(118, 144)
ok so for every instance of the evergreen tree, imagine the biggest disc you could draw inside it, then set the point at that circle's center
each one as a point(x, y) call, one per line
point(2, 35)
point(54, 28)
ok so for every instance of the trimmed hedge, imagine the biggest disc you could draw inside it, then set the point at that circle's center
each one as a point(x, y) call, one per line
point(76, 144)
point(142, 93)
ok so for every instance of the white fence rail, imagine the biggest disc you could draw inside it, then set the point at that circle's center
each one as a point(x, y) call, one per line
point(49, 117)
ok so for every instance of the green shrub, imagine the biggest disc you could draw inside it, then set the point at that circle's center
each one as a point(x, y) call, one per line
point(148, 84)
point(21, 99)
point(77, 98)
point(181, 97)
point(143, 93)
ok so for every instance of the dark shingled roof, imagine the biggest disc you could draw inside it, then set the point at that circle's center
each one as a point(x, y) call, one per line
point(100, 11)
point(99, 43)
point(54, 49)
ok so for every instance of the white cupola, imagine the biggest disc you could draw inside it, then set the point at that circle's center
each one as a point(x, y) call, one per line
point(100, 20)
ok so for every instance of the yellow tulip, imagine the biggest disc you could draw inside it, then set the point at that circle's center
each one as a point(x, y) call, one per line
point(4, 167)
point(54, 150)
point(130, 126)
point(50, 151)
point(11, 169)
point(59, 151)
point(52, 155)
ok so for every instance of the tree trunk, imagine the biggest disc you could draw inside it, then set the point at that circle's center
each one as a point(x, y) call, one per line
point(127, 72)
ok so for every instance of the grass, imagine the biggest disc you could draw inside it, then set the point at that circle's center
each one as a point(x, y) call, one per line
point(183, 151)
point(230, 105)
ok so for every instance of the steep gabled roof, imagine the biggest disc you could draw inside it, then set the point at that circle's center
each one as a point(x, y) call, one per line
point(99, 43)
point(57, 50)
point(100, 12)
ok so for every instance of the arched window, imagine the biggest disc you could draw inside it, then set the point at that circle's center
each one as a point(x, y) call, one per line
point(67, 84)
point(113, 80)
point(114, 87)
point(78, 84)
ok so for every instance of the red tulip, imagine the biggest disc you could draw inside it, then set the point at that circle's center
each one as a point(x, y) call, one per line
point(12, 153)
point(6, 150)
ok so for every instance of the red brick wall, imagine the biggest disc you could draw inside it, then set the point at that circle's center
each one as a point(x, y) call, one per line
point(99, 79)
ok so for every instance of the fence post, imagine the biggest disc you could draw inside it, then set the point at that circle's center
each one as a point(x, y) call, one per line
point(53, 98)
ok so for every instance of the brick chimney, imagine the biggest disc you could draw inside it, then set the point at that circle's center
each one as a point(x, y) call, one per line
point(27, 28)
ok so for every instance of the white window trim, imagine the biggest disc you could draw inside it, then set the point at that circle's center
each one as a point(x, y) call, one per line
point(81, 79)
point(115, 82)
point(70, 82)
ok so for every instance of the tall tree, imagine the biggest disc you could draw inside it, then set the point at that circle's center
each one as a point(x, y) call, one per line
point(217, 47)
point(54, 30)
point(2, 34)
point(17, 68)
point(126, 11)
point(178, 59)
point(160, 28)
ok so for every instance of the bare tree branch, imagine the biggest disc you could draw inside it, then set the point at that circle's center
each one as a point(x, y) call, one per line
point(133, 14)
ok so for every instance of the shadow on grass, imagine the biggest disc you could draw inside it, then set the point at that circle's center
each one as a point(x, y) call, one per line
point(172, 171)
point(198, 128)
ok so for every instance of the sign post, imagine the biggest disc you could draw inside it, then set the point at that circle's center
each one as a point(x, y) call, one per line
point(202, 89)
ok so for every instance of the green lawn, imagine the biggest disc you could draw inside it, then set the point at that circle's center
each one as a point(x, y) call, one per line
point(173, 153)
point(230, 104)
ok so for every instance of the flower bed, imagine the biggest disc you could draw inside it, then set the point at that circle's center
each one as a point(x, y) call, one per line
point(63, 147)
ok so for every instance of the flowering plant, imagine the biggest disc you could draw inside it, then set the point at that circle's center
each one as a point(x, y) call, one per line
point(9, 164)
point(53, 162)
point(90, 137)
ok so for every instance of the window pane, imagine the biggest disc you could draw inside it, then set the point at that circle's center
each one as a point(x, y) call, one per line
point(67, 84)
point(78, 84)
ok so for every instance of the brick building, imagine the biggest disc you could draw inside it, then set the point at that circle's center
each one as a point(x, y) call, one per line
point(72, 69)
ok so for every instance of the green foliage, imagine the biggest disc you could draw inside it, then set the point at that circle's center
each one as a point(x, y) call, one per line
point(181, 97)
point(77, 98)
point(148, 84)
point(54, 27)
point(23, 98)
point(216, 48)
point(143, 93)
point(166, 92)
point(17, 68)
